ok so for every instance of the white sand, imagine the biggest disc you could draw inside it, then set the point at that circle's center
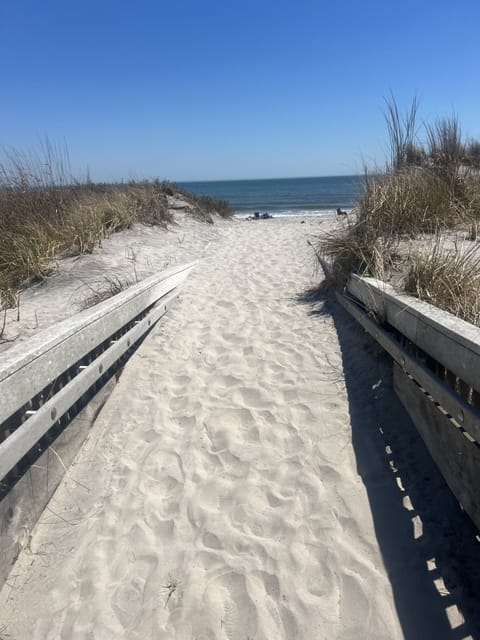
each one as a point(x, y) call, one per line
point(222, 465)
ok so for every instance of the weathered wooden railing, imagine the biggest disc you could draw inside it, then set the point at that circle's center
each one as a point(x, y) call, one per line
point(46, 384)
point(436, 376)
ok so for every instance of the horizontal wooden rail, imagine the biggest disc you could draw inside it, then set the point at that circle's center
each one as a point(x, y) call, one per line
point(27, 368)
point(449, 340)
point(457, 407)
point(24, 438)
point(436, 363)
point(102, 335)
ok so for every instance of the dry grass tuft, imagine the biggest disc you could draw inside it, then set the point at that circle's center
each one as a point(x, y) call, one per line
point(448, 279)
point(355, 250)
point(408, 202)
point(206, 205)
point(110, 286)
point(29, 255)
point(171, 587)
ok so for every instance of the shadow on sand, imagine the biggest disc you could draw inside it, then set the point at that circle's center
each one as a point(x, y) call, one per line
point(429, 546)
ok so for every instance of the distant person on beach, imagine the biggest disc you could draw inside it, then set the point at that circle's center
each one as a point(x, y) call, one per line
point(340, 212)
point(259, 216)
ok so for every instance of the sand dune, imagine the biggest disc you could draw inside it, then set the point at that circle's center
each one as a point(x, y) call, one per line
point(218, 496)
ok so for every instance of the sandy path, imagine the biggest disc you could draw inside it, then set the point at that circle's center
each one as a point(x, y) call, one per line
point(222, 465)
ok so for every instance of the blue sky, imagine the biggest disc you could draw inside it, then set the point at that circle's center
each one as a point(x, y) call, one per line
point(209, 89)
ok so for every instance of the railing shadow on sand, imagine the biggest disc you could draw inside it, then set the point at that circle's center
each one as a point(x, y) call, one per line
point(430, 548)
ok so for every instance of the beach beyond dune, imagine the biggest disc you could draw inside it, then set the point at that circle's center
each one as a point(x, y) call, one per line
point(225, 492)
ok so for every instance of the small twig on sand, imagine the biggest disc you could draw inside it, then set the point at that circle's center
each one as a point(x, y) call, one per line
point(314, 250)
point(3, 337)
point(4, 322)
point(132, 257)
point(171, 587)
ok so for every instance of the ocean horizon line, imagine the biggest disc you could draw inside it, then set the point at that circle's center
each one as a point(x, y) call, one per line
point(282, 195)
point(333, 175)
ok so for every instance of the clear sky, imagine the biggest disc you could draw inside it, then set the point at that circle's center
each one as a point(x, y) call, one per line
point(222, 89)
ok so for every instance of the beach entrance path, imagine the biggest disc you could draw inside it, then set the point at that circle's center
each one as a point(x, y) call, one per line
point(218, 495)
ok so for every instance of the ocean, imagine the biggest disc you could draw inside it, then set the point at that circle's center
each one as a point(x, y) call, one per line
point(283, 196)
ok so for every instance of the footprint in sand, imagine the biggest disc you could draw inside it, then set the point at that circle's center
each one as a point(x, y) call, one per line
point(275, 502)
point(211, 541)
point(239, 619)
point(128, 597)
point(234, 419)
point(165, 469)
point(233, 338)
point(209, 561)
point(355, 606)
point(252, 397)
point(181, 381)
point(225, 304)
point(184, 404)
point(233, 465)
point(187, 423)
point(253, 435)
point(220, 439)
point(223, 381)
point(290, 395)
point(208, 499)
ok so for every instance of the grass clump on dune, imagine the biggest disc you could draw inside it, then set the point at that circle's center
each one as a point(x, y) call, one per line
point(427, 190)
point(46, 212)
point(447, 278)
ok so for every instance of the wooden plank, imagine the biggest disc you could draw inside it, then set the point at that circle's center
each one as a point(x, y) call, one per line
point(457, 458)
point(23, 505)
point(452, 443)
point(448, 339)
point(24, 438)
point(454, 404)
point(28, 367)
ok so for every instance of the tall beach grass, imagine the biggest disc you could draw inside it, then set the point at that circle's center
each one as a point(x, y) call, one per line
point(428, 189)
point(45, 212)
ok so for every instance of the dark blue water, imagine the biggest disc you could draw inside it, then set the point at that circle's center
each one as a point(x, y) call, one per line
point(283, 196)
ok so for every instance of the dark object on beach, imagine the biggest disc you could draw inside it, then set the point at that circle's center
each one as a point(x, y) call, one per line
point(259, 216)
point(341, 213)
point(302, 222)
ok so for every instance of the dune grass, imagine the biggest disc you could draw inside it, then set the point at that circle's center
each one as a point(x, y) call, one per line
point(110, 286)
point(427, 190)
point(46, 213)
point(448, 278)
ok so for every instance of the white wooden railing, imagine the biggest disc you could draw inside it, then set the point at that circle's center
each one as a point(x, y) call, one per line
point(28, 368)
point(436, 376)
point(49, 378)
